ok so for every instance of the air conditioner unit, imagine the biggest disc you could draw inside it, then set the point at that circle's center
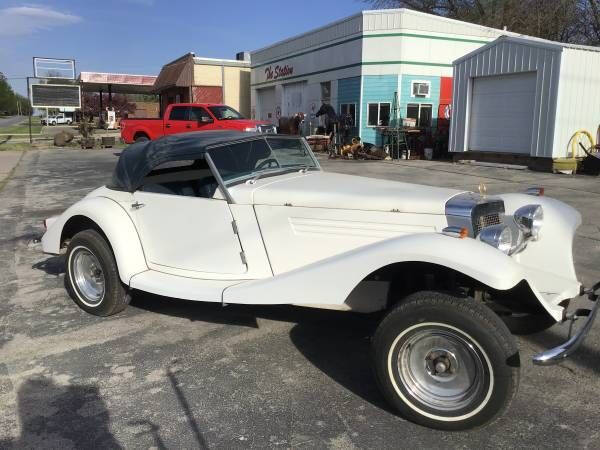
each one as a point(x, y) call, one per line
point(421, 89)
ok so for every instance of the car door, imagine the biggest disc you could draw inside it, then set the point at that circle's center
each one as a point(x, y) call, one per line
point(201, 120)
point(183, 229)
point(178, 120)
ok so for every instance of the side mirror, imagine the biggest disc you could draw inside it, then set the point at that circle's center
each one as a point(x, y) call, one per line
point(206, 119)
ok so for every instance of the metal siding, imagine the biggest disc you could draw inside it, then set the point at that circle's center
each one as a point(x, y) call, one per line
point(406, 94)
point(578, 99)
point(506, 57)
point(327, 34)
point(376, 89)
point(349, 92)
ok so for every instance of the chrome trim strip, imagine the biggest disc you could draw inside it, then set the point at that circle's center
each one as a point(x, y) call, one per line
point(217, 176)
point(559, 353)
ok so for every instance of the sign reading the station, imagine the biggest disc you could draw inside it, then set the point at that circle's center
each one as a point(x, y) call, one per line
point(278, 72)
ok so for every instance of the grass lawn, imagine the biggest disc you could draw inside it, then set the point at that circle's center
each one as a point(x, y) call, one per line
point(22, 128)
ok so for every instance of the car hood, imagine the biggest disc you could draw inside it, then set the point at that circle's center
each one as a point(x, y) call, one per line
point(338, 191)
point(245, 123)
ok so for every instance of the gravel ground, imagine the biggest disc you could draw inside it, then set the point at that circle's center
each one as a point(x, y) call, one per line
point(169, 373)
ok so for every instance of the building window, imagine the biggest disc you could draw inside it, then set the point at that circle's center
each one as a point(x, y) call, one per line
point(348, 109)
point(378, 114)
point(421, 113)
point(421, 89)
point(326, 91)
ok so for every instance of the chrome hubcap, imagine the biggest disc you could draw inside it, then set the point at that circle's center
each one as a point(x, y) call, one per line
point(88, 276)
point(441, 369)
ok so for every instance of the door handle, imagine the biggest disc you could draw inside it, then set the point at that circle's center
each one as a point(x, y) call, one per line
point(168, 125)
point(188, 126)
point(137, 205)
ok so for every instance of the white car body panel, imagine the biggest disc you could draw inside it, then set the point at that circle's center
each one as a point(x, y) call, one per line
point(335, 231)
point(297, 236)
point(114, 222)
point(331, 280)
point(338, 191)
point(188, 236)
point(203, 290)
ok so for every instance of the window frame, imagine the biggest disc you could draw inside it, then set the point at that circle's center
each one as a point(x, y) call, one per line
point(412, 88)
point(379, 113)
point(187, 111)
point(420, 106)
point(202, 108)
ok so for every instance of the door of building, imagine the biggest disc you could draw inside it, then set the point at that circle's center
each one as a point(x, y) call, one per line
point(502, 113)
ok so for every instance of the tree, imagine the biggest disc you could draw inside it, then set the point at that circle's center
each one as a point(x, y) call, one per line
point(91, 103)
point(11, 103)
point(574, 21)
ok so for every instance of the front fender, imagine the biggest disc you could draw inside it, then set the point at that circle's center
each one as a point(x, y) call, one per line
point(114, 222)
point(330, 281)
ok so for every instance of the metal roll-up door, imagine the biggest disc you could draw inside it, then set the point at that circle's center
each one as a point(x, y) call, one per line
point(501, 118)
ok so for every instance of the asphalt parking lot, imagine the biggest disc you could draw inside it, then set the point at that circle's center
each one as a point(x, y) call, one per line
point(169, 373)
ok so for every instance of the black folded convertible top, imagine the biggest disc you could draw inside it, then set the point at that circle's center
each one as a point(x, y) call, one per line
point(137, 160)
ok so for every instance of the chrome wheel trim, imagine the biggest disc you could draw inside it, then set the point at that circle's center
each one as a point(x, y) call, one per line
point(87, 276)
point(394, 364)
point(440, 369)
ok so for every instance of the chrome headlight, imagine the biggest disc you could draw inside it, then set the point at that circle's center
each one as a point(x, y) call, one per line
point(498, 236)
point(530, 219)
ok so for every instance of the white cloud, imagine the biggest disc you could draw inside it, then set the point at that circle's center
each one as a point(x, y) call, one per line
point(23, 20)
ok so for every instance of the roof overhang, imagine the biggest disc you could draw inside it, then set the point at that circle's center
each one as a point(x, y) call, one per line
point(120, 83)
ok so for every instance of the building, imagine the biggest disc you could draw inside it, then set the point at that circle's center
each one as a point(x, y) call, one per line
point(134, 86)
point(378, 66)
point(205, 80)
point(522, 98)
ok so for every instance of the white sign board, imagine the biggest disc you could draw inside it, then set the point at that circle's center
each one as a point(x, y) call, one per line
point(63, 69)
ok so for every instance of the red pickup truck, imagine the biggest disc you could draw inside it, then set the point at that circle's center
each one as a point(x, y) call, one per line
point(184, 117)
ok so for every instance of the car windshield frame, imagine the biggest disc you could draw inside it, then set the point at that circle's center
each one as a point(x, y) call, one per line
point(311, 162)
point(217, 111)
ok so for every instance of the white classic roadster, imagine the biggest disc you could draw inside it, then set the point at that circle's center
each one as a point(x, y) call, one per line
point(244, 218)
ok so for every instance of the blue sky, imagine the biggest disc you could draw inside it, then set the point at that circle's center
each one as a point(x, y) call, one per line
point(139, 36)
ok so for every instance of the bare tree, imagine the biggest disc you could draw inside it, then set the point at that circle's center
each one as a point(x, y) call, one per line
point(576, 21)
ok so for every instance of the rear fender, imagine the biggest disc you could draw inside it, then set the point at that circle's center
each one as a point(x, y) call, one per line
point(115, 223)
point(330, 281)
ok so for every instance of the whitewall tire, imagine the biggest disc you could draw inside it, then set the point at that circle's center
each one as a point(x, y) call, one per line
point(92, 277)
point(445, 362)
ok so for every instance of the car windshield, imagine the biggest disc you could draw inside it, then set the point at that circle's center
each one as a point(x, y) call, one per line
point(256, 158)
point(223, 112)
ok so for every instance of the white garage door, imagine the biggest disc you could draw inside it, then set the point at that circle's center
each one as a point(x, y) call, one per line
point(293, 98)
point(502, 113)
point(265, 99)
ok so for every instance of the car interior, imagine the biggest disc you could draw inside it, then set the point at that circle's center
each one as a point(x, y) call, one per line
point(187, 178)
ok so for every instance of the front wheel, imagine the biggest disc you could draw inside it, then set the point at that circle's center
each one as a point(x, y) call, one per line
point(92, 276)
point(445, 362)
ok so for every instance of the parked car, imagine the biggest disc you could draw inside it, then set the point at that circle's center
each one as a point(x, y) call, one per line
point(57, 119)
point(245, 218)
point(186, 117)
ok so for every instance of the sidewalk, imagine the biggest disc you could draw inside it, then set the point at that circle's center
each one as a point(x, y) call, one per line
point(8, 161)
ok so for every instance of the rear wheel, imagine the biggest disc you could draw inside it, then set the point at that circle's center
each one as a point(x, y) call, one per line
point(92, 276)
point(141, 138)
point(445, 362)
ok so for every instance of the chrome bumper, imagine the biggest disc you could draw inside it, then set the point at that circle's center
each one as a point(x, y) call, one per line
point(557, 354)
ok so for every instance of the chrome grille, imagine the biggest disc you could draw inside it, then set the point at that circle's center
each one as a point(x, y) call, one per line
point(267, 129)
point(485, 220)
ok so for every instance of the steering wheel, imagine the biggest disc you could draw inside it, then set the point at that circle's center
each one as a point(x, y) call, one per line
point(268, 163)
